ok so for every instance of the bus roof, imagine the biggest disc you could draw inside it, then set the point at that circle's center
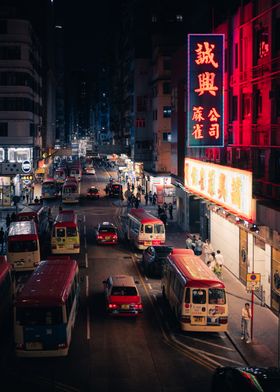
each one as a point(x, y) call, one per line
point(194, 271)
point(31, 210)
point(143, 216)
point(50, 283)
point(22, 228)
point(66, 216)
point(4, 267)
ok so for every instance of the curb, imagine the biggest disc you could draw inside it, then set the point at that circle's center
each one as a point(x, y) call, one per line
point(237, 348)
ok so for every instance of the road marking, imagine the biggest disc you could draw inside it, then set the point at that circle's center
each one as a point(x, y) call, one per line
point(85, 230)
point(88, 324)
point(211, 344)
point(86, 260)
point(85, 243)
point(84, 219)
point(87, 285)
point(150, 287)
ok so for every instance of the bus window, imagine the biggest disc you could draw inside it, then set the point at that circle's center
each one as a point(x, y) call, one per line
point(60, 232)
point(158, 229)
point(148, 229)
point(38, 316)
point(71, 232)
point(199, 296)
point(23, 246)
point(217, 296)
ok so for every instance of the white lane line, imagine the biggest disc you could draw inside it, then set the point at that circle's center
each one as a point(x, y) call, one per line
point(86, 259)
point(150, 287)
point(88, 324)
point(85, 230)
point(84, 219)
point(87, 285)
point(88, 315)
point(85, 244)
point(212, 344)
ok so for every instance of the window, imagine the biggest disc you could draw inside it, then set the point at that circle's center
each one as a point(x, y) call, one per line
point(19, 154)
point(148, 229)
point(236, 55)
point(167, 111)
point(31, 129)
point(10, 53)
point(22, 246)
point(71, 232)
point(140, 123)
point(158, 228)
point(3, 129)
point(179, 18)
point(124, 291)
point(217, 296)
point(198, 296)
point(234, 108)
point(166, 137)
point(60, 232)
point(39, 316)
point(141, 104)
point(166, 88)
point(167, 64)
point(154, 19)
point(246, 105)
point(2, 154)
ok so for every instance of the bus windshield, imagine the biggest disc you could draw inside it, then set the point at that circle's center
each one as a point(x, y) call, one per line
point(217, 296)
point(70, 189)
point(39, 316)
point(158, 228)
point(23, 246)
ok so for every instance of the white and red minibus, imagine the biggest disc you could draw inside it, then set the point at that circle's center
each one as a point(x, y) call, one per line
point(49, 189)
point(45, 309)
point(23, 246)
point(70, 191)
point(144, 229)
point(195, 294)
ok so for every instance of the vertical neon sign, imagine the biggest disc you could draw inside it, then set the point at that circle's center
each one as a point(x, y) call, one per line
point(205, 122)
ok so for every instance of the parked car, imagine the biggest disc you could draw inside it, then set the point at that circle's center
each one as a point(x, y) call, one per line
point(90, 170)
point(153, 259)
point(107, 233)
point(122, 296)
point(232, 379)
point(93, 193)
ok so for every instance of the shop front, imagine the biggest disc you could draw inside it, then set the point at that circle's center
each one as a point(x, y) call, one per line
point(161, 185)
point(5, 191)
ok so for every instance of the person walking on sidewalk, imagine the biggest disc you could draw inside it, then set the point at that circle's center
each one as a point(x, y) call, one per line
point(146, 198)
point(8, 220)
point(246, 317)
point(170, 209)
point(2, 235)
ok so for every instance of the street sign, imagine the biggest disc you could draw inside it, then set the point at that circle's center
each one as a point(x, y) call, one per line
point(253, 281)
point(26, 167)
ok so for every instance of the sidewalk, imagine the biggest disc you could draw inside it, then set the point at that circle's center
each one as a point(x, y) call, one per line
point(263, 350)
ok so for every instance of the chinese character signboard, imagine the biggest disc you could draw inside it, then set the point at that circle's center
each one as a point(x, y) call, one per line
point(228, 187)
point(205, 90)
point(253, 281)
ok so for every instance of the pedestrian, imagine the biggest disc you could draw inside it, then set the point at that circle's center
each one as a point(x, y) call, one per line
point(13, 217)
point(150, 197)
point(188, 242)
point(27, 198)
point(198, 247)
point(170, 209)
point(132, 187)
point(146, 198)
point(193, 241)
point(23, 198)
point(165, 206)
point(139, 188)
point(154, 200)
point(136, 202)
point(212, 261)
point(60, 209)
point(36, 200)
point(8, 220)
point(220, 260)
point(159, 210)
point(246, 316)
point(163, 218)
point(207, 249)
point(2, 235)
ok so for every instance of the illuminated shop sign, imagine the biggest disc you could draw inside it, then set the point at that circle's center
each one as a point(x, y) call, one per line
point(205, 90)
point(229, 187)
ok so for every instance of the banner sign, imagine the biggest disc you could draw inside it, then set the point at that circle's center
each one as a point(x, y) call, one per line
point(205, 90)
point(226, 186)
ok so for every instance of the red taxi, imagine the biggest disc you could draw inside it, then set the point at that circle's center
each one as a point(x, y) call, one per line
point(106, 233)
point(122, 296)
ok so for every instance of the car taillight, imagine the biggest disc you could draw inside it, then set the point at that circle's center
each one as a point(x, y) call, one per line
point(139, 306)
point(112, 306)
point(115, 236)
point(223, 320)
point(99, 237)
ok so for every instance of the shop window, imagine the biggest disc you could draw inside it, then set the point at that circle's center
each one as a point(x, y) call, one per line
point(3, 129)
point(19, 154)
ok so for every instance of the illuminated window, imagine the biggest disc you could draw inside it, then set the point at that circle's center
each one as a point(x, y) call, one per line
point(2, 154)
point(154, 19)
point(179, 18)
point(3, 129)
point(166, 137)
point(167, 111)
